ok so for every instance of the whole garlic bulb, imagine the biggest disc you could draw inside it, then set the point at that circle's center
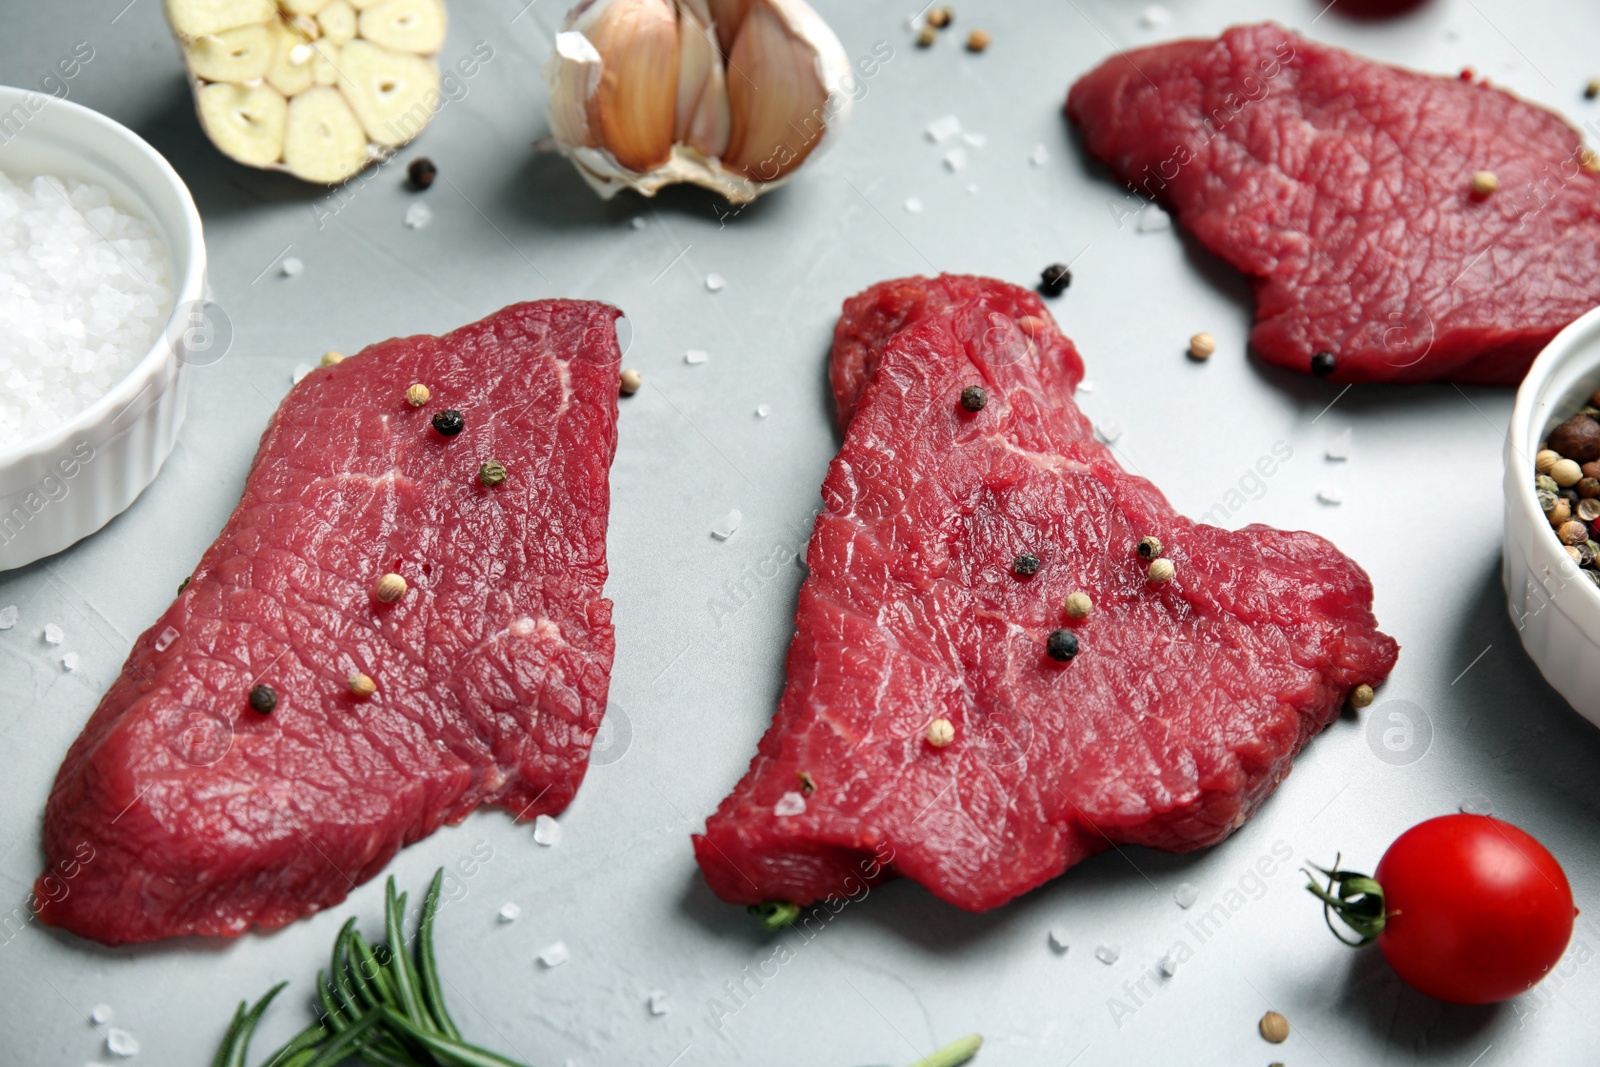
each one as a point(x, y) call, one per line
point(732, 95)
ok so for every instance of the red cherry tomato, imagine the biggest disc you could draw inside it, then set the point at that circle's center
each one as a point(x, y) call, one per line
point(1473, 910)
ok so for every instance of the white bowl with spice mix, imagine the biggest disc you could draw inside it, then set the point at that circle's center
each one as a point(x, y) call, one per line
point(1553, 599)
point(102, 280)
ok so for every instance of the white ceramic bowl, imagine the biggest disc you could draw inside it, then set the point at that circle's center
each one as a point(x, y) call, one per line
point(1554, 606)
point(67, 484)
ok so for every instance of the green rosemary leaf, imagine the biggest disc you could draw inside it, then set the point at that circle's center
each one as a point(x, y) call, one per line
point(344, 1045)
point(457, 1053)
point(427, 966)
point(400, 969)
point(230, 1052)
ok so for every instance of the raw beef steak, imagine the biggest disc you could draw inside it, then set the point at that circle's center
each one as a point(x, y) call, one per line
point(1344, 189)
point(187, 811)
point(1179, 714)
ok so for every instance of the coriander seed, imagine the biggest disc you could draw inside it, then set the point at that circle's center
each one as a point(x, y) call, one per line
point(1547, 501)
point(630, 381)
point(362, 686)
point(1588, 487)
point(1162, 571)
point(1573, 532)
point(1323, 363)
point(263, 699)
point(1361, 696)
point(926, 36)
point(1573, 554)
point(1589, 509)
point(1026, 565)
point(1079, 605)
point(978, 40)
point(1566, 473)
point(449, 422)
point(1274, 1027)
point(1545, 459)
point(332, 359)
point(1560, 513)
point(973, 398)
point(492, 473)
point(391, 587)
point(1484, 183)
point(421, 172)
point(941, 732)
point(417, 395)
point(940, 17)
point(1201, 346)
point(1149, 548)
point(1591, 89)
point(1061, 645)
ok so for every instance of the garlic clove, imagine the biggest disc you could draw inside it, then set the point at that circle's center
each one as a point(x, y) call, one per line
point(387, 91)
point(337, 22)
point(197, 18)
point(295, 86)
point(237, 55)
point(703, 120)
point(245, 123)
point(323, 140)
point(633, 108)
point(405, 25)
point(649, 93)
point(778, 116)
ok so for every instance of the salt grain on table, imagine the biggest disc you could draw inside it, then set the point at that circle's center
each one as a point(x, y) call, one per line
point(1152, 219)
point(546, 831)
point(1085, 386)
point(100, 1014)
point(976, 140)
point(694, 357)
point(658, 1002)
point(943, 129)
point(1059, 940)
point(1107, 954)
point(8, 617)
point(913, 205)
point(555, 955)
point(727, 526)
point(1108, 430)
point(1339, 447)
point(69, 662)
point(291, 266)
point(509, 912)
point(1039, 156)
point(790, 804)
point(716, 282)
point(53, 634)
point(637, 222)
point(1477, 804)
point(1155, 15)
point(1167, 965)
point(1186, 894)
point(418, 215)
point(763, 410)
point(955, 159)
point(1329, 494)
point(121, 1043)
point(300, 371)
point(87, 290)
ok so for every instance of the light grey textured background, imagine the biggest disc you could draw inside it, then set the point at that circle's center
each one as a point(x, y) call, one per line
point(890, 978)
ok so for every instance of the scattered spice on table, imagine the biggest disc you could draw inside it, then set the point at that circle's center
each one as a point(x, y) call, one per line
point(1274, 1027)
point(1361, 696)
point(421, 173)
point(1054, 279)
point(1202, 346)
point(978, 40)
point(630, 381)
point(1566, 484)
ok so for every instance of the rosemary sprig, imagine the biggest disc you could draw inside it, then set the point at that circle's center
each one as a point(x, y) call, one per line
point(380, 1004)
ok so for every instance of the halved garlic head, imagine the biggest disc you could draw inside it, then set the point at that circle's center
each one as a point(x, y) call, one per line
point(317, 88)
point(733, 95)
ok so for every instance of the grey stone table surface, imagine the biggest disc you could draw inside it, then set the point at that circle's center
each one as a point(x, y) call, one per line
point(702, 624)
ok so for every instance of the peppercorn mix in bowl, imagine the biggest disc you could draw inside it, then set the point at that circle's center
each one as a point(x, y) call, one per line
point(1551, 556)
point(99, 336)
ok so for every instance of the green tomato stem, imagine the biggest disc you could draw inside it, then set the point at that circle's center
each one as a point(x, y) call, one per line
point(1356, 898)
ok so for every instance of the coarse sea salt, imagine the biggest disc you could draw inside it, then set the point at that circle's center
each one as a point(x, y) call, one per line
point(546, 831)
point(100, 1014)
point(790, 804)
point(1331, 494)
point(69, 662)
point(291, 266)
point(1339, 447)
point(1477, 804)
point(1186, 894)
point(943, 129)
point(913, 205)
point(509, 912)
point(694, 357)
point(555, 955)
point(8, 617)
point(658, 1002)
point(727, 526)
point(53, 634)
point(716, 282)
point(85, 289)
point(1107, 954)
point(763, 410)
point(121, 1043)
point(418, 215)
point(1059, 940)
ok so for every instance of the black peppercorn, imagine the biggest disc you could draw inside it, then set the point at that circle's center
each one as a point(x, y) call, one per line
point(1149, 548)
point(449, 422)
point(973, 398)
point(1054, 279)
point(1025, 565)
point(1062, 645)
point(263, 698)
point(421, 172)
point(1322, 364)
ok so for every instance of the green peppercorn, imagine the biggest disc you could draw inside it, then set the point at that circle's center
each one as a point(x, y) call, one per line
point(449, 422)
point(1546, 483)
point(263, 698)
point(1062, 645)
point(1547, 501)
point(973, 398)
point(1025, 565)
point(492, 473)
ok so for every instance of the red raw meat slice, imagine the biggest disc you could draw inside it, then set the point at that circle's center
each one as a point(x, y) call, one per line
point(1179, 715)
point(1343, 188)
point(180, 810)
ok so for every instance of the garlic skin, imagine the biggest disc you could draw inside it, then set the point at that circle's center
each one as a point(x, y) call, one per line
point(731, 95)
